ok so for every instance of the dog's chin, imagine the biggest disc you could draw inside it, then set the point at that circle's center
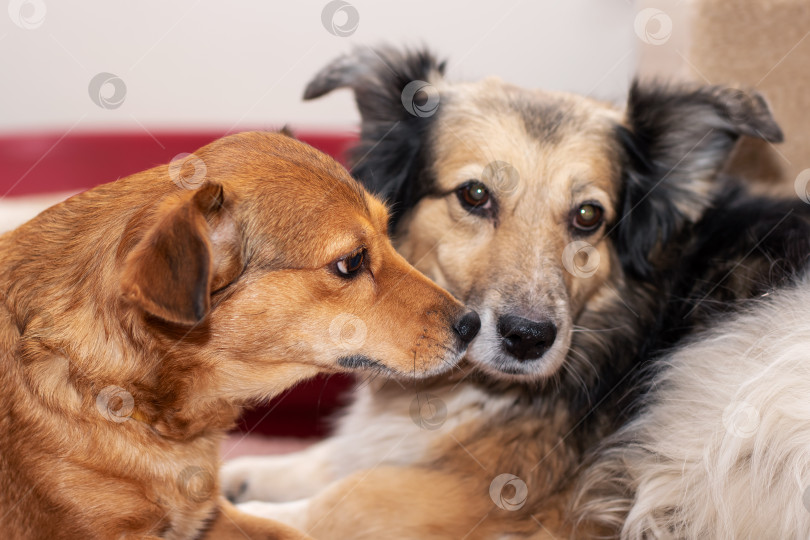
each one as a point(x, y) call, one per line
point(363, 363)
point(447, 364)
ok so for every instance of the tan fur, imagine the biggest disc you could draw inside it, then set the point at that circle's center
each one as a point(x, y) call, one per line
point(416, 496)
point(137, 318)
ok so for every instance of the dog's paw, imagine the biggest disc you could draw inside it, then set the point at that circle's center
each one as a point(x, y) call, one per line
point(279, 478)
point(235, 478)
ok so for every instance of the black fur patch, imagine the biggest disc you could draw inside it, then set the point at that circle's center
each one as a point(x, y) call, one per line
point(743, 247)
point(393, 154)
point(676, 140)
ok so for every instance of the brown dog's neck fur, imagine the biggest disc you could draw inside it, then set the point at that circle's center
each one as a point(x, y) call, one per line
point(62, 349)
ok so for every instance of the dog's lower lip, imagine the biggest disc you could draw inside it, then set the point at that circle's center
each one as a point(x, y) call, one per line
point(507, 365)
point(512, 369)
point(360, 361)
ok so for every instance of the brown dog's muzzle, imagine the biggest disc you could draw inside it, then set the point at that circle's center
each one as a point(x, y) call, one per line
point(427, 328)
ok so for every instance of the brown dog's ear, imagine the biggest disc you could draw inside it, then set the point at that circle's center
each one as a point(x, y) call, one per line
point(170, 271)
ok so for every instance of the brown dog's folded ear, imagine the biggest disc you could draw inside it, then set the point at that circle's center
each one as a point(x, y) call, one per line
point(170, 271)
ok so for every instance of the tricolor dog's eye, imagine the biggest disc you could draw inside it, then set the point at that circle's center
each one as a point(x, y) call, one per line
point(351, 264)
point(474, 195)
point(588, 217)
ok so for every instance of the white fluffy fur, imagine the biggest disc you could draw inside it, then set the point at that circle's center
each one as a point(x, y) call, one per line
point(722, 449)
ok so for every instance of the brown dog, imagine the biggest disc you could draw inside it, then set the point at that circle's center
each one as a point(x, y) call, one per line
point(137, 318)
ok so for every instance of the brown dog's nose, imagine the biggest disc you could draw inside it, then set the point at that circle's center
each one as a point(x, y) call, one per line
point(467, 326)
point(525, 339)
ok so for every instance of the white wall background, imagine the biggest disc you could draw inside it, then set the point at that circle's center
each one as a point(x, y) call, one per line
point(243, 64)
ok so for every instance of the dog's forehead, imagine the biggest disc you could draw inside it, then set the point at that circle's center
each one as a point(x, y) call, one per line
point(305, 224)
point(546, 115)
point(548, 137)
point(296, 206)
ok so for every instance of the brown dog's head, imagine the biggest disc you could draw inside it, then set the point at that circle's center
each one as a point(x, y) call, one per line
point(272, 264)
point(533, 206)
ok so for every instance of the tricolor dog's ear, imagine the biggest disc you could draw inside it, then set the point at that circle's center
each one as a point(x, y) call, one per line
point(676, 140)
point(287, 131)
point(398, 97)
point(190, 250)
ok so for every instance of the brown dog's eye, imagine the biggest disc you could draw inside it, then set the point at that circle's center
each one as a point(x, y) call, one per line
point(588, 216)
point(474, 194)
point(349, 266)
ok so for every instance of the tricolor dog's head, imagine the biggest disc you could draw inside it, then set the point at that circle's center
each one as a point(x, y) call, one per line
point(530, 205)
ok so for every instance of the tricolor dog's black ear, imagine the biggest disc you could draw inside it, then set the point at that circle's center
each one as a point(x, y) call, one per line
point(397, 95)
point(675, 141)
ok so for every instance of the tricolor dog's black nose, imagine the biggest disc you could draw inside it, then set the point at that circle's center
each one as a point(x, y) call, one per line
point(525, 339)
point(467, 326)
